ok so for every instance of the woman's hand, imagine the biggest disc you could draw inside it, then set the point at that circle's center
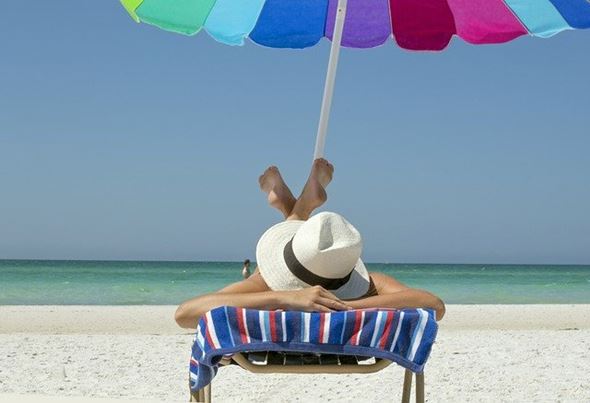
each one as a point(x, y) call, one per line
point(255, 295)
point(312, 299)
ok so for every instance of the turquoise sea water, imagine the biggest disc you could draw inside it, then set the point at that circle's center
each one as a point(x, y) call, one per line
point(161, 283)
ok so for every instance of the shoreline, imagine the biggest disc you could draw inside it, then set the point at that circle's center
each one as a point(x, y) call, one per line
point(138, 352)
point(159, 319)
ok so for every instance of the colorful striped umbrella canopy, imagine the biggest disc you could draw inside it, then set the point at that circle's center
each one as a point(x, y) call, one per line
point(414, 24)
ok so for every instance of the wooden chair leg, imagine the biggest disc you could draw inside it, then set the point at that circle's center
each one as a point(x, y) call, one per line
point(407, 386)
point(207, 393)
point(194, 395)
point(200, 396)
point(420, 388)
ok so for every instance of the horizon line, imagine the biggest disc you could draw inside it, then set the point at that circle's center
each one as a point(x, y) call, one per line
point(254, 262)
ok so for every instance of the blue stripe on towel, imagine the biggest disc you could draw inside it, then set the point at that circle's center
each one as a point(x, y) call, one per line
point(368, 328)
point(314, 330)
point(349, 328)
point(294, 328)
point(393, 327)
point(338, 319)
point(232, 316)
point(343, 332)
point(253, 325)
point(221, 330)
point(229, 328)
point(401, 344)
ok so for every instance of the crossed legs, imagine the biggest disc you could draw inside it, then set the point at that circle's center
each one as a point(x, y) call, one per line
point(313, 194)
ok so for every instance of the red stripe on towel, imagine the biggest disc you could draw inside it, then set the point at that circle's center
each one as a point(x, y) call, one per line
point(357, 326)
point(273, 326)
point(386, 329)
point(239, 313)
point(322, 321)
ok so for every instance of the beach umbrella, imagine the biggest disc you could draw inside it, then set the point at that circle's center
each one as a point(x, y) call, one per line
point(420, 25)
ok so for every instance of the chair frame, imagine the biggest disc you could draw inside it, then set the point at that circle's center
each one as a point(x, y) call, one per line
point(204, 394)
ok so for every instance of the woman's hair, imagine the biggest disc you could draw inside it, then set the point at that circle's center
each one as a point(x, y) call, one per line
point(247, 262)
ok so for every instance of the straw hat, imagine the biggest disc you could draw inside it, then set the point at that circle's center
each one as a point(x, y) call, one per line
point(324, 250)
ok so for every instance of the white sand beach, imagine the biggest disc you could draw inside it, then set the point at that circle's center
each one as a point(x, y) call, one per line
point(484, 353)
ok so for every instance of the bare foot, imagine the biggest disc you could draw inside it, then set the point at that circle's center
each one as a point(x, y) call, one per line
point(314, 193)
point(279, 195)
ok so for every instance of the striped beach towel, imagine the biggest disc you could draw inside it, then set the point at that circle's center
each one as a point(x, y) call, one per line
point(402, 336)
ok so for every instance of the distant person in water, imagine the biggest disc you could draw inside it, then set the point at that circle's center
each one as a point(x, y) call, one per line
point(309, 263)
point(246, 269)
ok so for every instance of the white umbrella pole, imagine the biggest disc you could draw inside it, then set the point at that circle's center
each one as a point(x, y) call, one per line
point(330, 79)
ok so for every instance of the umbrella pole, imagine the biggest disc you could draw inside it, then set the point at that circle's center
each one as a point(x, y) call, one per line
point(330, 80)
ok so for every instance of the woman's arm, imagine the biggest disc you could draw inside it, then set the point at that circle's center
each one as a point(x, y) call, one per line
point(410, 298)
point(189, 312)
point(393, 294)
point(254, 293)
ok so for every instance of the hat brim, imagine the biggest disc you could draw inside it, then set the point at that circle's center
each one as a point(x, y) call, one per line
point(276, 273)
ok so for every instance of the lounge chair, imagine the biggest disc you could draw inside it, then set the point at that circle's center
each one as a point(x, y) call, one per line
point(363, 341)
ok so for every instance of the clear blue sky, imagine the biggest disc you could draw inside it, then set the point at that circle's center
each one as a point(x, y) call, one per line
point(120, 141)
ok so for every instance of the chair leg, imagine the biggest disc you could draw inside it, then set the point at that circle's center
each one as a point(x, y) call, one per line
point(420, 388)
point(198, 396)
point(207, 393)
point(194, 396)
point(407, 386)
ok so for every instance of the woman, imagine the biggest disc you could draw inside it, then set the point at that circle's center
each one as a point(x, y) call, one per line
point(309, 264)
point(246, 269)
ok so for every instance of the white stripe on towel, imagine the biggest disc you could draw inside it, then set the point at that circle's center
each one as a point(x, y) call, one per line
point(246, 325)
point(326, 334)
point(397, 330)
point(211, 329)
point(420, 332)
point(377, 327)
point(284, 325)
point(262, 325)
point(358, 336)
point(306, 321)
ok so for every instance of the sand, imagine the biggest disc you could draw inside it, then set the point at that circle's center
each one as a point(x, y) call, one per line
point(483, 353)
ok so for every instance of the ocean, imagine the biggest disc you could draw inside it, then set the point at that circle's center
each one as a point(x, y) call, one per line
point(36, 282)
